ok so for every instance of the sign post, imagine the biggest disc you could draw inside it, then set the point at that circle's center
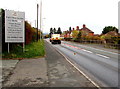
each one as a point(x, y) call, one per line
point(14, 27)
point(8, 48)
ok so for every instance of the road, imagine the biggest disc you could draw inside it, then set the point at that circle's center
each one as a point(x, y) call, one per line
point(61, 73)
point(99, 65)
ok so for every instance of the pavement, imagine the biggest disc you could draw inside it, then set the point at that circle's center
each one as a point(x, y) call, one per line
point(28, 73)
point(6, 68)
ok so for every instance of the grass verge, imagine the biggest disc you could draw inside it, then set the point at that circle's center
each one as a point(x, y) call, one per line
point(33, 50)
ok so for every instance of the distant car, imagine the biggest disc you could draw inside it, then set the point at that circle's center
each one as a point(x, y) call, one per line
point(55, 38)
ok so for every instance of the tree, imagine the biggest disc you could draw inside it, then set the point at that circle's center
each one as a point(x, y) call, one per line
point(75, 33)
point(51, 31)
point(59, 31)
point(79, 35)
point(108, 29)
point(70, 29)
point(54, 31)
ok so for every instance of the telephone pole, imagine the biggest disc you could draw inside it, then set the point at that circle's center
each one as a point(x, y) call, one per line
point(40, 19)
point(37, 20)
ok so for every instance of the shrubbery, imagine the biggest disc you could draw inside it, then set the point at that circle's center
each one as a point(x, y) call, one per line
point(30, 33)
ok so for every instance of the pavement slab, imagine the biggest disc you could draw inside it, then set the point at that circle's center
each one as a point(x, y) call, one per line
point(6, 67)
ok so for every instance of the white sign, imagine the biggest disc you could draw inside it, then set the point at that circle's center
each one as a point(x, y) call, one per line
point(14, 26)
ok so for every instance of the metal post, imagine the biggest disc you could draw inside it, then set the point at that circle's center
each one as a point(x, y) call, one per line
point(8, 48)
point(23, 47)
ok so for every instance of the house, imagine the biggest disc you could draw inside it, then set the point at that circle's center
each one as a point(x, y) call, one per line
point(86, 31)
point(68, 34)
point(73, 33)
point(112, 33)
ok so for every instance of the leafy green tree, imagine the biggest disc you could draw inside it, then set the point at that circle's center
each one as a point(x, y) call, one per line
point(75, 33)
point(79, 35)
point(108, 29)
point(59, 31)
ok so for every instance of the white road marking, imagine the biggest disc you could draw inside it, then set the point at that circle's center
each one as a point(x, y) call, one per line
point(100, 50)
point(79, 48)
point(79, 70)
point(87, 51)
point(96, 49)
point(102, 56)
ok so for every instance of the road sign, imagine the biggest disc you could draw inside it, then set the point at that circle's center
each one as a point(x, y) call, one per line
point(14, 26)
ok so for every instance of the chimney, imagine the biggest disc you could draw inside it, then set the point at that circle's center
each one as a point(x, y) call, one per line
point(84, 25)
point(73, 29)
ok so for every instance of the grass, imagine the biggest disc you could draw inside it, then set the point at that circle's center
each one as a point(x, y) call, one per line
point(33, 50)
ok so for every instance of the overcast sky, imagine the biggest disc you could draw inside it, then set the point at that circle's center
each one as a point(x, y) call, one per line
point(96, 14)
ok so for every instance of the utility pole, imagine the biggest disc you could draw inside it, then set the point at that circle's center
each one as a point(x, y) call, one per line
point(35, 23)
point(37, 20)
point(41, 19)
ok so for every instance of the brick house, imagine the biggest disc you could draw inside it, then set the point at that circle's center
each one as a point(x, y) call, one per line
point(86, 31)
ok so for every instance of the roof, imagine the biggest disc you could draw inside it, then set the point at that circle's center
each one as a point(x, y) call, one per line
point(86, 29)
point(112, 33)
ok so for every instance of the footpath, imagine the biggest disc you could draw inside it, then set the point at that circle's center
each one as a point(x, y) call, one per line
point(51, 71)
point(28, 73)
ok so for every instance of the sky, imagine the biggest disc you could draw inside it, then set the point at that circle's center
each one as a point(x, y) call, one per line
point(95, 14)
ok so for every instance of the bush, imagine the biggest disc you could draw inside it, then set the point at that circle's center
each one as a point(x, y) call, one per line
point(67, 39)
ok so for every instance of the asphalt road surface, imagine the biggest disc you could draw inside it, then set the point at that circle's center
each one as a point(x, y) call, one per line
point(100, 65)
point(63, 74)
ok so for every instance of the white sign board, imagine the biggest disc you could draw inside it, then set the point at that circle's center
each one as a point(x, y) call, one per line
point(14, 26)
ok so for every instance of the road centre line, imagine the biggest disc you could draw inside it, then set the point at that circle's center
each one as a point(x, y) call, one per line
point(97, 49)
point(87, 51)
point(79, 48)
point(100, 50)
point(102, 55)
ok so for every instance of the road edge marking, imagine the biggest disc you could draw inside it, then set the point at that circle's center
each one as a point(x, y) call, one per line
point(79, 70)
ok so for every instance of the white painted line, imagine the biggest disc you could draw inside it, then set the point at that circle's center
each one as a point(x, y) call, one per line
point(102, 55)
point(87, 51)
point(80, 71)
point(100, 50)
point(97, 49)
